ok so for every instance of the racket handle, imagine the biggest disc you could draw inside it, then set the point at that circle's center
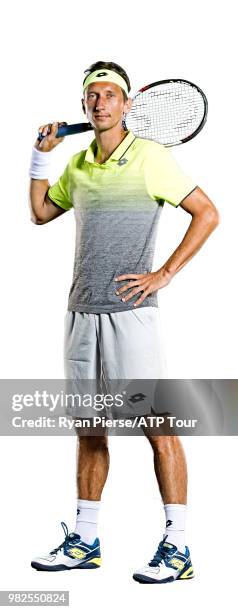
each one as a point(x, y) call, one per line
point(68, 130)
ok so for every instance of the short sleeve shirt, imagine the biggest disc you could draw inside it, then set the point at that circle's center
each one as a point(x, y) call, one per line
point(117, 207)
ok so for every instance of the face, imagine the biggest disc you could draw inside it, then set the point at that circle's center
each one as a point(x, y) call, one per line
point(104, 105)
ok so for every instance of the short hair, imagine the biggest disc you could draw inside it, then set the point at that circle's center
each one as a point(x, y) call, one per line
point(110, 66)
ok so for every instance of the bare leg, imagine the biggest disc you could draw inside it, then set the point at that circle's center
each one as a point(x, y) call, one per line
point(170, 468)
point(92, 466)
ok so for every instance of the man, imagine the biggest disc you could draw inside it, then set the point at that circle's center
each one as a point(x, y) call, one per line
point(118, 188)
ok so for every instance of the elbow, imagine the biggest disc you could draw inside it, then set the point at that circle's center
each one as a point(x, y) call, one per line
point(211, 217)
point(37, 212)
point(215, 219)
point(37, 220)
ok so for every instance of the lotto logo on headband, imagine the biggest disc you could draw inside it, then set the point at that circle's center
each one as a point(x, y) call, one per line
point(101, 74)
point(138, 397)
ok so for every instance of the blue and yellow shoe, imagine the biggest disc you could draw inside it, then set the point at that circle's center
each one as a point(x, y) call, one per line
point(167, 565)
point(73, 553)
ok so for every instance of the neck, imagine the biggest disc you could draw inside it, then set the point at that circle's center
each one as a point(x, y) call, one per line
point(107, 142)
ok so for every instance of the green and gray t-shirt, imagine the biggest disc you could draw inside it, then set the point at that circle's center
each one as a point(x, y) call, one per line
point(117, 207)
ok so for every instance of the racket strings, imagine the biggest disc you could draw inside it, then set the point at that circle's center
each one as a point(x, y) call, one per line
point(167, 113)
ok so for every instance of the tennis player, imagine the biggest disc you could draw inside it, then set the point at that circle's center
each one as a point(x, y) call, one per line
point(118, 187)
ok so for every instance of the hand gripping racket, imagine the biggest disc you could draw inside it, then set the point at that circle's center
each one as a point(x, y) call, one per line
point(170, 112)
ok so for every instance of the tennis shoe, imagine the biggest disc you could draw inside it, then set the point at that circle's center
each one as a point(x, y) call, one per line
point(167, 565)
point(73, 553)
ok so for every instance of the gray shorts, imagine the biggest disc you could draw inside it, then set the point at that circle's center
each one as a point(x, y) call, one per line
point(109, 348)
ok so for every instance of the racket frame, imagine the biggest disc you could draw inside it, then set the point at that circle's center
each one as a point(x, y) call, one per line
point(204, 118)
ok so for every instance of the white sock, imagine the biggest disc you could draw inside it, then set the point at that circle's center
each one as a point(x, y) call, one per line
point(87, 519)
point(175, 525)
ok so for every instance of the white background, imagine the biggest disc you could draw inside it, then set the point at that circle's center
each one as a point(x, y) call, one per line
point(45, 48)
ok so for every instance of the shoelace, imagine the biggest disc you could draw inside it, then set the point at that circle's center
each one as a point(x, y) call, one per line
point(68, 537)
point(160, 554)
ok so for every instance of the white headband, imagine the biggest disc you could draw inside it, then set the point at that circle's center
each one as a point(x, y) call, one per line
point(106, 75)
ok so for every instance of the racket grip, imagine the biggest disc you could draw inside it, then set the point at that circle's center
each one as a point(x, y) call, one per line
point(69, 130)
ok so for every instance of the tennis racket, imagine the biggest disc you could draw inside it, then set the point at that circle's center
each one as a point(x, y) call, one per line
point(170, 112)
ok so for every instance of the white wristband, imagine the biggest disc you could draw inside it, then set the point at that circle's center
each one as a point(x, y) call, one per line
point(40, 162)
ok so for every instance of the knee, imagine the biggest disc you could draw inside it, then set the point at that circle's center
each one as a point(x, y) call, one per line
point(93, 443)
point(163, 444)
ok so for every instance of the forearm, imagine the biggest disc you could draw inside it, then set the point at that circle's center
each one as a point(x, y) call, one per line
point(42, 208)
point(198, 231)
point(38, 191)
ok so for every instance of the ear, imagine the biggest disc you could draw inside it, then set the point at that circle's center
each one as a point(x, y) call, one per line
point(128, 105)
